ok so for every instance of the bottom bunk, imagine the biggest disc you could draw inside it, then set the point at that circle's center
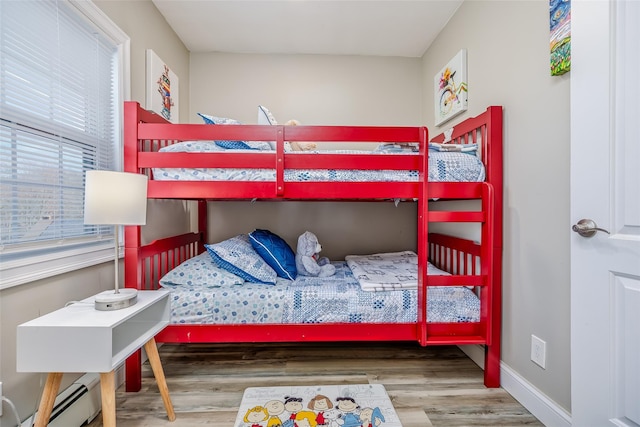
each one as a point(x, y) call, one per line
point(310, 300)
point(453, 307)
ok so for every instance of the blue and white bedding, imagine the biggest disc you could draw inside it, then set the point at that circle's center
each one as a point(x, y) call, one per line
point(444, 166)
point(338, 298)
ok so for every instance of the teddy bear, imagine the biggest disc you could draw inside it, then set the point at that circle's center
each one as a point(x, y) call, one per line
point(300, 146)
point(308, 262)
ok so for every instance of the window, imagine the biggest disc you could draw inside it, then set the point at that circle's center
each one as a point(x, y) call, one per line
point(62, 79)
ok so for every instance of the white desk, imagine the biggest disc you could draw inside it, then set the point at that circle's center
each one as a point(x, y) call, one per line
point(79, 338)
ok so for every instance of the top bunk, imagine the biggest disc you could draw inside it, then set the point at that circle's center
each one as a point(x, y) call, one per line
point(204, 162)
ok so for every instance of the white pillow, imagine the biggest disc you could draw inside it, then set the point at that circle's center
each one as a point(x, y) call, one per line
point(266, 118)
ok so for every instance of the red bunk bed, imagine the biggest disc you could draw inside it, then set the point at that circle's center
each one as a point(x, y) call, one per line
point(472, 265)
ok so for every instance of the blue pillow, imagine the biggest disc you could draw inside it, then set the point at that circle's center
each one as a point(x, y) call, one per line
point(275, 252)
point(236, 255)
point(233, 144)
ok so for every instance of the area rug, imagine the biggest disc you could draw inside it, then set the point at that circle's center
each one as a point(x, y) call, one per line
point(352, 405)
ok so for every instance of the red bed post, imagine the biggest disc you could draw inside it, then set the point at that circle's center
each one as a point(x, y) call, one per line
point(132, 259)
point(133, 279)
point(202, 224)
point(494, 176)
point(133, 265)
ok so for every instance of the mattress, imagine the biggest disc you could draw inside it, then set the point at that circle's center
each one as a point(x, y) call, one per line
point(338, 298)
point(444, 166)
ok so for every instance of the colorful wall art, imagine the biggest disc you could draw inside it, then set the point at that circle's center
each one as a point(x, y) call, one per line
point(450, 88)
point(162, 88)
point(560, 26)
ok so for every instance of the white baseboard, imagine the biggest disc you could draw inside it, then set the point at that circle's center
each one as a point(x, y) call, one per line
point(475, 353)
point(544, 409)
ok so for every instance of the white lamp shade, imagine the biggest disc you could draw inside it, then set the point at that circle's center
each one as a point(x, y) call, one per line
point(115, 198)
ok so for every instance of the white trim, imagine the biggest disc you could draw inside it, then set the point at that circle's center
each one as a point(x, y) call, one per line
point(536, 402)
point(475, 352)
point(94, 14)
point(100, 19)
point(125, 65)
point(544, 409)
point(63, 262)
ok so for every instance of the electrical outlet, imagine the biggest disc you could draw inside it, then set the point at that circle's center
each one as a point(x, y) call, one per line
point(538, 351)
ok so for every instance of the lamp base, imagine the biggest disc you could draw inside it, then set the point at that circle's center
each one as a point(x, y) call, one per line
point(110, 300)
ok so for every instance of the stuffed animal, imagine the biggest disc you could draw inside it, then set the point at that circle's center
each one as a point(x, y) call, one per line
point(308, 262)
point(300, 146)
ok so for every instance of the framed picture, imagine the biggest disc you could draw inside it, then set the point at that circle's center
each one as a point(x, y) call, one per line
point(560, 39)
point(162, 88)
point(450, 88)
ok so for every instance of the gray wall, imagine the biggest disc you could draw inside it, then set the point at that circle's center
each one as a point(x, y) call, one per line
point(314, 89)
point(508, 65)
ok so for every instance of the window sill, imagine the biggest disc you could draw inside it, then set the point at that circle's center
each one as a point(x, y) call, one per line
point(15, 273)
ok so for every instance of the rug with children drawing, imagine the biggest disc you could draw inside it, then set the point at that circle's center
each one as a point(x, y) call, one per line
point(350, 405)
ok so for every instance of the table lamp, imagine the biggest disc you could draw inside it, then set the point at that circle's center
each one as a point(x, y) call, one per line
point(115, 198)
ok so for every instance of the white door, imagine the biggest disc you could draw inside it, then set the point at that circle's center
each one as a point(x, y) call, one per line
point(605, 188)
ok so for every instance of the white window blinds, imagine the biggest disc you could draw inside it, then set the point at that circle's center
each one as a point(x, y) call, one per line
point(60, 106)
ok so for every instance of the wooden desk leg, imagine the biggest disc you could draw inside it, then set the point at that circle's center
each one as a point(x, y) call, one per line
point(108, 391)
point(154, 360)
point(49, 394)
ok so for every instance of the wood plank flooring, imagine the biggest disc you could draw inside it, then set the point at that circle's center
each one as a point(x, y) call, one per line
point(432, 386)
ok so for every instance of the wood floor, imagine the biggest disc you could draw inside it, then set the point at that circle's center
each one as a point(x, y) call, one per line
point(432, 386)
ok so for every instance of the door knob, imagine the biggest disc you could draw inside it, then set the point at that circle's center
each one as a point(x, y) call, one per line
point(587, 228)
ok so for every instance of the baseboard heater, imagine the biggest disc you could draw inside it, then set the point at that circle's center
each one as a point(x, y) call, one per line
point(75, 406)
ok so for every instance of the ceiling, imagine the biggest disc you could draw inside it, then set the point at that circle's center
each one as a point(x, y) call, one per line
point(329, 27)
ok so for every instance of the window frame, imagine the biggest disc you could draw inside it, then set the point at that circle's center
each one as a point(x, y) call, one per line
point(22, 270)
